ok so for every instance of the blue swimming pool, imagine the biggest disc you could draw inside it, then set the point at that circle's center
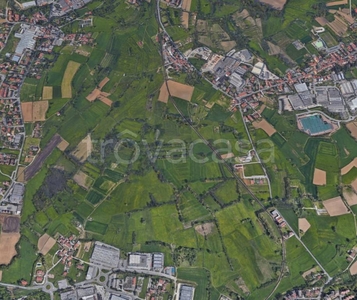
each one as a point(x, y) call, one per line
point(314, 124)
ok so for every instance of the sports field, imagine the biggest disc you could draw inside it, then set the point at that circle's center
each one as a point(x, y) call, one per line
point(66, 86)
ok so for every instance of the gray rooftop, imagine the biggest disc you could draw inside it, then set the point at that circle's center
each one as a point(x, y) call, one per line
point(301, 87)
point(186, 292)
point(119, 297)
point(27, 39)
point(296, 101)
point(86, 291)
point(71, 295)
point(158, 261)
point(346, 89)
point(17, 193)
point(105, 255)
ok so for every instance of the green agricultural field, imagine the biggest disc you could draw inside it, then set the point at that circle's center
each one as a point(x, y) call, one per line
point(350, 176)
point(22, 266)
point(248, 248)
point(94, 197)
point(113, 175)
point(328, 161)
point(84, 210)
point(96, 227)
point(329, 39)
point(143, 226)
point(346, 146)
point(140, 192)
point(28, 92)
point(298, 261)
point(202, 187)
point(199, 277)
point(191, 209)
point(190, 171)
point(103, 185)
point(41, 218)
point(228, 192)
point(51, 213)
point(323, 236)
point(253, 170)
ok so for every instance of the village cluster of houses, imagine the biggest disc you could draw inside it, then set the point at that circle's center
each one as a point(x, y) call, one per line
point(68, 245)
point(12, 16)
point(174, 59)
point(8, 159)
point(303, 293)
point(316, 293)
point(4, 34)
point(12, 129)
point(12, 75)
point(79, 39)
point(156, 288)
point(344, 294)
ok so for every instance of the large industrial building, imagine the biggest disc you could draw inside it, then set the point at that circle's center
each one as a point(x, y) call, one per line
point(105, 256)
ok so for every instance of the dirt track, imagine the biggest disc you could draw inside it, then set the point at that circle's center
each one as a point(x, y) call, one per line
point(40, 158)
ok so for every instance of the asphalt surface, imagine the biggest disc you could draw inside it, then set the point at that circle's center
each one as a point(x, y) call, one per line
point(36, 165)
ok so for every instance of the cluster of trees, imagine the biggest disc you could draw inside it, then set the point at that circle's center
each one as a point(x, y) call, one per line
point(182, 254)
point(54, 183)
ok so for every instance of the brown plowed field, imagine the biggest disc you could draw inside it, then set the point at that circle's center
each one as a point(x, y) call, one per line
point(8, 242)
point(277, 4)
point(11, 224)
point(178, 90)
point(319, 177)
point(267, 127)
point(335, 207)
